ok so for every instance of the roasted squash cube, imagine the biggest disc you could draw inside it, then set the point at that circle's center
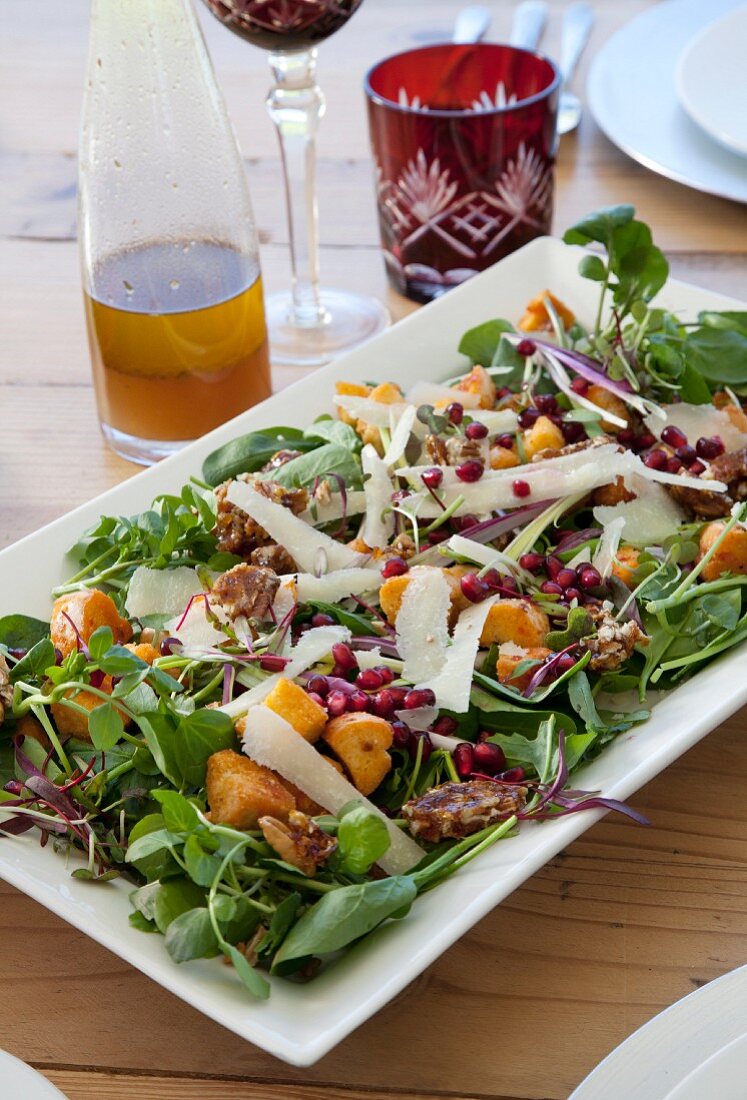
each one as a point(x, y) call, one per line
point(516, 621)
point(626, 560)
point(510, 656)
point(88, 609)
point(537, 318)
point(361, 741)
point(293, 704)
point(239, 791)
point(541, 435)
point(729, 557)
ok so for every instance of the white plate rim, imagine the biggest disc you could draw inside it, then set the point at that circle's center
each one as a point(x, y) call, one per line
point(605, 119)
point(303, 1035)
point(684, 91)
point(34, 1084)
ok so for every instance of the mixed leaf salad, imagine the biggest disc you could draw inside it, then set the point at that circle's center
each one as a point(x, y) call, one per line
point(346, 660)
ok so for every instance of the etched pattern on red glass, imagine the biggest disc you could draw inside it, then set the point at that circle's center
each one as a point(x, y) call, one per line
point(284, 24)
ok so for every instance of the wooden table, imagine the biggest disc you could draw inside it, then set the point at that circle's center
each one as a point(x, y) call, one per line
point(617, 927)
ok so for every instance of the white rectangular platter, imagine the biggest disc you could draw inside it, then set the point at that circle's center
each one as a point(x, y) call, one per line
point(301, 1023)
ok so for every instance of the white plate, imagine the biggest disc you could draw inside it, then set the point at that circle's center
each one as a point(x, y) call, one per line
point(711, 80)
point(695, 1050)
point(632, 95)
point(301, 1023)
point(20, 1082)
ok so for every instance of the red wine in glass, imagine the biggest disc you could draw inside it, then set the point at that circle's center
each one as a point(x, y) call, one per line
point(284, 24)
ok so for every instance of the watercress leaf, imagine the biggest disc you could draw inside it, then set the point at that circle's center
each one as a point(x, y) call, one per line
point(39, 657)
point(281, 922)
point(105, 726)
point(242, 925)
point(693, 387)
point(151, 842)
point(224, 907)
point(727, 319)
point(719, 355)
point(162, 682)
point(127, 687)
point(179, 814)
point(582, 701)
point(250, 452)
point(334, 431)
point(201, 866)
point(119, 661)
point(593, 267)
point(600, 225)
point(100, 642)
point(144, 899)
point(507, 366)
point(198, 736)
point(160, 734)
point(329, 459)
point(22, 631)
point(141, 923)
point(258, 986)
point(480, 344)
point(342, 916)
point(722, 610)
point(362, 839)
point(175, 896)
point(190, 935)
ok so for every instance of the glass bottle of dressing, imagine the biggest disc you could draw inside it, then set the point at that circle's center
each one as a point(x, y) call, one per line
point(169, 255)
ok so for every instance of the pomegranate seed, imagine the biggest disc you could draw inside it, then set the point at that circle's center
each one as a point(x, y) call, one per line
point(506, 440)
point(464, 758)
point(626, 437)
point(686, 454)
point(401, 734)
point(358, 701)
point(369, 680)
point(709, 447)
point(385, 673)
point(484, 735)
point(494, 579)
point(318, 685)
point(383, 704)
point(445, 725)
point(573, 432)
point(471, 470)
point(166, 646)
point(565, 663)
point(433, 477)
point(455, 412)
point(673, 465)
point(553, 566)
point(645, 440)
point(532, 562)
point(416, 739)
point(317, 699)
point(271, 663)
point(399, 694)
point(573, 593)
point(673, 437)
point(474, 588)
point(17, 654)
point(526, 347)
point(580, 385)
point(521, 488)
point(489, 758)
point(58, 658)
point(528, 417)
point(656, 460)
point(419, 697)
point(589, 576)
point(550, 588)
point(463, 523)
point(394, 567)
point(436, 537)
point(337, 703)
point(504, 391)
point(697, 467)
point(476, 430)
point(321, 618)
point(513, 775)
point(566, 577)
point(546, 403)
point(344, 656)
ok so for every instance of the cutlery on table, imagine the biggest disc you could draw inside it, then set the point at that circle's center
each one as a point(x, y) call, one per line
point(578, 21)
point(471, 24)
point(529, 22)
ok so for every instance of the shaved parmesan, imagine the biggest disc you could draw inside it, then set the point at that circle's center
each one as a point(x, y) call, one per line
point(442, 741)
point(420, 718)
point(608, 544)
point(336, 586)
point(161, 591)
point(485, 555)
point(431, 393)
point(498, 420)
point(648, 520)
point(283, 607)
point(372, 412)
point(702, 420)
point(378, 524)
point(302, 542)
point(271, 741)
point(453, 684)
point(400, 436)
point(194, 629)
point(423, 623)
point(311, 647)
point(320, 512)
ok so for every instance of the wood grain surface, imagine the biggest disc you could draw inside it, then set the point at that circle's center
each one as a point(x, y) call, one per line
point(620, 925)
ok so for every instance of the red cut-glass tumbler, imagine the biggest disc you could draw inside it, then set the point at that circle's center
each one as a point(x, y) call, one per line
point(463, 140)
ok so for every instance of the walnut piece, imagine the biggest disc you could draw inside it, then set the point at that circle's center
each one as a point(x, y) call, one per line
point(6, 689)
point(455, 810)
point(246, 590)
point(300, 842)
point(705, 504)
point(613, 642)
point(237, 532)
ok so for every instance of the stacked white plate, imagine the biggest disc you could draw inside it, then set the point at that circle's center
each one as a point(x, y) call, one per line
point(670, 89)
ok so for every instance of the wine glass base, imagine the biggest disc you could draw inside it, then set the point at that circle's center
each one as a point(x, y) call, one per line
point(145, 452)
point(351, 320)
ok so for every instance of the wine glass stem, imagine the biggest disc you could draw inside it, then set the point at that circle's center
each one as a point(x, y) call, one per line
point(296, 104)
